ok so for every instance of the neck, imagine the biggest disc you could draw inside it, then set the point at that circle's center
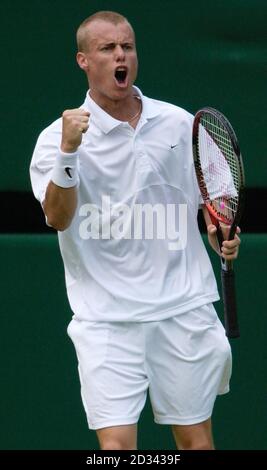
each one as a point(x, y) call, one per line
point(126, 109)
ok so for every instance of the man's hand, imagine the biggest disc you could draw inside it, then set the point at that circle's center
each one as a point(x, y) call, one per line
point(75, 122)
point(230, 248)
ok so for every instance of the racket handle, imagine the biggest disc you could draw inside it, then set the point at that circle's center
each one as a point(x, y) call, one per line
point(229, 301)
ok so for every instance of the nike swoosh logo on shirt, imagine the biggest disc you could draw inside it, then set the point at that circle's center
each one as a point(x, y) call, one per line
point(173, 146)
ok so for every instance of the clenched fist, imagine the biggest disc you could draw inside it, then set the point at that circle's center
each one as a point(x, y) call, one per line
point(74, 123)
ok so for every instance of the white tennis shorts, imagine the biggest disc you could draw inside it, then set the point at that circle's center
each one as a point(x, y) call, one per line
point(184, 362)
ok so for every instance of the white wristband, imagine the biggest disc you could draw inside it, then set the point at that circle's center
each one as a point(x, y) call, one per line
point(65, 171)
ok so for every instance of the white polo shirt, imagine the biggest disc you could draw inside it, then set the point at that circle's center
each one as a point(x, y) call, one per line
point(133, 251)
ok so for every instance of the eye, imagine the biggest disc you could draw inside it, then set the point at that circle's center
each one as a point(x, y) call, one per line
point(128, 47)
point(108, 47)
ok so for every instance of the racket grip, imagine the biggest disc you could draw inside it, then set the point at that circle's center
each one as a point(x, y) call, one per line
point(229, 301)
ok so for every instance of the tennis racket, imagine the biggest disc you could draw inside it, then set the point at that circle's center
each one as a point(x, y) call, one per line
point(220, 175)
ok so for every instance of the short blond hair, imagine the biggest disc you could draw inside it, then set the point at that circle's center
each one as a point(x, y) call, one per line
point(108, 16)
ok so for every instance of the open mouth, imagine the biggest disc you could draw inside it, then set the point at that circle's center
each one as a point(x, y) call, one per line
point(120, 76)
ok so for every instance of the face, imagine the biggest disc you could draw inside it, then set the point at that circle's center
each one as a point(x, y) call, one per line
point(110, 60)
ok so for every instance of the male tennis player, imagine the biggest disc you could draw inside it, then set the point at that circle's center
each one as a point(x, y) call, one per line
point(141, 290)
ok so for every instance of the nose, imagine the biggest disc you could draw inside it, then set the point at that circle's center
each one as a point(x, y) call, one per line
point(119, 53)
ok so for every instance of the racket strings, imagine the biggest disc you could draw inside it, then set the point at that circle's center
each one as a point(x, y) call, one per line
point(218, 168)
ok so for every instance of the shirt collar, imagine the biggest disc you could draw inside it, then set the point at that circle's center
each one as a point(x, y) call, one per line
point(107, 123)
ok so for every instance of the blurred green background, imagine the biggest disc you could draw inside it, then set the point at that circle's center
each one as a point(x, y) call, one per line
point(191, 53)
point(40, 404)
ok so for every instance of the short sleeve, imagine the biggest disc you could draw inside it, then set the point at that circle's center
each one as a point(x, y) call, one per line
point(43, 159)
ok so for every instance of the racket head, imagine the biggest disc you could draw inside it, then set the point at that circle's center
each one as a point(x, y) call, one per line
point(219, 167)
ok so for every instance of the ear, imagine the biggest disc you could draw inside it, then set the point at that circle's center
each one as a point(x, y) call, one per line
point(82, 61)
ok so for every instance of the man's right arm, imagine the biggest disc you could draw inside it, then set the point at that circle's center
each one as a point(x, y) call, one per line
point(61, 194)
point(60, 206)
